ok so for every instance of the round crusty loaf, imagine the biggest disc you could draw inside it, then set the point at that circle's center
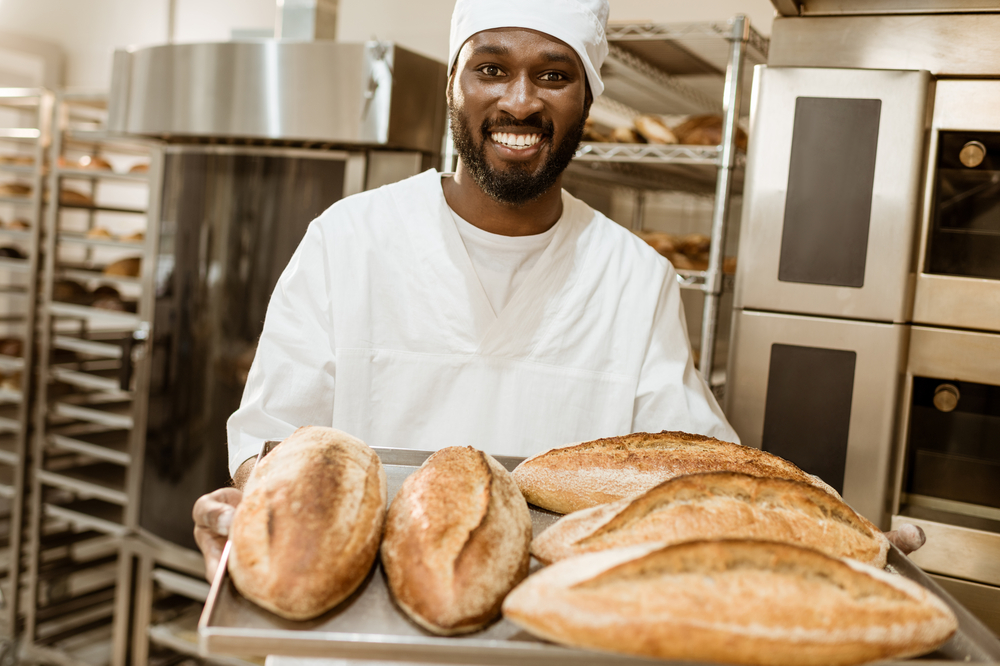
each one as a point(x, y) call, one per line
point(740, 602)
point(718, 505)
point(307, 531)
point(456, 541)
point(579, 476)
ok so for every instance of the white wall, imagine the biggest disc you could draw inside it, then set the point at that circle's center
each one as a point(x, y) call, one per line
point(423, 26)
point(89, 30)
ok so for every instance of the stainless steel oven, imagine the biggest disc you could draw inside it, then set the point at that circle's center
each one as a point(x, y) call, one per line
point(866, 335)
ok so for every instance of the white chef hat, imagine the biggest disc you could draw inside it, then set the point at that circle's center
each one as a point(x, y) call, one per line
point(578, 23)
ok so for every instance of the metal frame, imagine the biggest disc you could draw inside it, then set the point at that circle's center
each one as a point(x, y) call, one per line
point(42, 101)
point(131, 459)
point(663, 167)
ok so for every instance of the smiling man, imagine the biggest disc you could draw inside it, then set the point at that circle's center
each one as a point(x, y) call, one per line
point(486, 307)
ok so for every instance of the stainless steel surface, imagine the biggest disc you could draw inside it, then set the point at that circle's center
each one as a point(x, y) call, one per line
point(953, 354)
point(376, 94)
point(835, 7)
point(241, 211)
point(886, 293)
point(947, 300)
point(953, 550)
point(881, 352)
point(735, 74)
point(370, 627)
point(945, 44)
point(983, 601)
point(676, 68)
point(306, 19)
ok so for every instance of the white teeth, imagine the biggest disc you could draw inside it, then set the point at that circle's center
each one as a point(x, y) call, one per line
point(516, 140)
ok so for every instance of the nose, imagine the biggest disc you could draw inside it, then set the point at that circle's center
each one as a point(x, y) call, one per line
point(520, 97)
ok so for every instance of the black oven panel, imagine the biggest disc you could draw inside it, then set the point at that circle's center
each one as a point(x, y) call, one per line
point(965, 232)
point(954, 442)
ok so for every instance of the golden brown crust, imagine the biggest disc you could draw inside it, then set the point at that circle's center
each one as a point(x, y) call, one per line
point(743, 602)
point(456, 541)
point(579, 476)
point(654, 130)
point(307, 530)
point(718, 505)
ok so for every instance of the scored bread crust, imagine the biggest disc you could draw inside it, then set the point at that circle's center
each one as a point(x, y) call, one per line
point(730, 601)
point(718, 505)
point(579, 476)
point(456, 541)
point(307, 530)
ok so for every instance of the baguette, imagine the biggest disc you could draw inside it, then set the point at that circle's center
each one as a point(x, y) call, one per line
point(718, 505)
point(579, 476)
point(456, 541)
point(307, 531)
point(742, 602)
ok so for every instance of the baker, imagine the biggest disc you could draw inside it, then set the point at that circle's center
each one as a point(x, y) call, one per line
point(486, 307)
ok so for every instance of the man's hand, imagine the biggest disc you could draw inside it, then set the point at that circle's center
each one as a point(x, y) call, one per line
point(907, 538)
point(213, 516)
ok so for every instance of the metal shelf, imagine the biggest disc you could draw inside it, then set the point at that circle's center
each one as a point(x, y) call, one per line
point(90, 514)
point(121, 419)
point(92, 347)
point(673, 69)
point(103, 481)
point(81, 239)
point(23, 170)
point(101, 174)
point(18, 201)
point(97, 208)
point(88, 313)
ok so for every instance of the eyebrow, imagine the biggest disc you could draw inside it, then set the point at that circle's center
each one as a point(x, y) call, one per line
point(550, 56)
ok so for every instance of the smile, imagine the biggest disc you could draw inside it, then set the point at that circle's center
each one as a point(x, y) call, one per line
point(516, 141)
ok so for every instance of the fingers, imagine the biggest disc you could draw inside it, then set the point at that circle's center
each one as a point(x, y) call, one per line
point(214, 511)
point(213, 516)
point(907, 538)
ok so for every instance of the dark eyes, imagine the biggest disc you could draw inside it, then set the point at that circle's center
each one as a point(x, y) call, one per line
point(551, 77)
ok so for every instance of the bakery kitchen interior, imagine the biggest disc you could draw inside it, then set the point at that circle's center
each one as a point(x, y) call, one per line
point(485, 333)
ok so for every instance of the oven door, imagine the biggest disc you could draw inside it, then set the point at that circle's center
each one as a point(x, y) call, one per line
point(959, 280)
point(949, 481)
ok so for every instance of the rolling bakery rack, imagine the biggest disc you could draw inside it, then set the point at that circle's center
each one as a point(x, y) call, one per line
point(676, 69)
point(25, 133)
point(94, 305)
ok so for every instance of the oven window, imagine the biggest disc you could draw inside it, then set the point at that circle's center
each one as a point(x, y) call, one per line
point(954, 455)
point(965, 234)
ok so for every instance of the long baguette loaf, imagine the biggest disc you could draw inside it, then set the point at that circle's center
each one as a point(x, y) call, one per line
point(718, 505)
point(307, 530)
point(579, 476)
point(742, 602)
point(456, 541)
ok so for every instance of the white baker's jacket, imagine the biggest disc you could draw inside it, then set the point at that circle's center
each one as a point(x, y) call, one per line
point(380, 327)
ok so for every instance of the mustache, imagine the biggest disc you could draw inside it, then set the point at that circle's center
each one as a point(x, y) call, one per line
point(546, 126)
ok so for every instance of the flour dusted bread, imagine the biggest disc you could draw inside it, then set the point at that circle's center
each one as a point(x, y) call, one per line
point(307, 531)
point(718, 505)
point(580, 476)
point(741, 602)
point(456, 541)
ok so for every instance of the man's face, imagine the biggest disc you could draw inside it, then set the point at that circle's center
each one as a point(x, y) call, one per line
point(517, 100)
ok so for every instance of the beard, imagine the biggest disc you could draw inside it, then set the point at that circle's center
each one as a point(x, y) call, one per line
point(517, 184)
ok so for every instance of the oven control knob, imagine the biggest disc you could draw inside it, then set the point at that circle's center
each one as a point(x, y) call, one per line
point(973, 153)
point(946, 397)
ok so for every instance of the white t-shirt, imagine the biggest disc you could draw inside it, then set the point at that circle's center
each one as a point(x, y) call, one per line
point(501, 262)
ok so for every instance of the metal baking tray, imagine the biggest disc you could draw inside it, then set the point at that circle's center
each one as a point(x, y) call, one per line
point(369, 626)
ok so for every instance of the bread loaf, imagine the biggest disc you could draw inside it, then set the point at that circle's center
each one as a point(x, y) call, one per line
point(653, 129)
point(580, 476)
point(741, 602)
point(307, 530)
point(456, 541)
point(718, 505)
